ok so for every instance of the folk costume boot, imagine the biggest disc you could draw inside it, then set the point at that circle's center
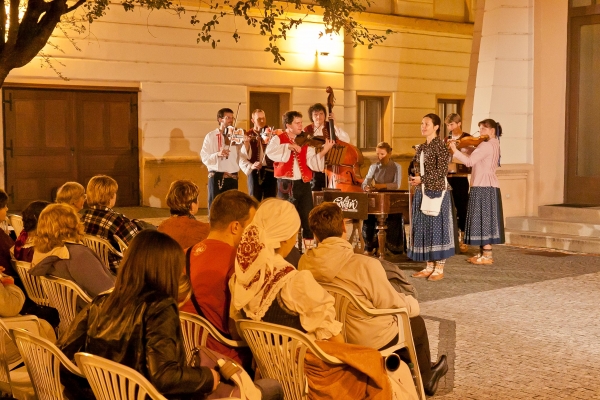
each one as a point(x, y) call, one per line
point(476, 256)
point(461, 242)
point(438, 273)
point(424, 273)
point(485, 259)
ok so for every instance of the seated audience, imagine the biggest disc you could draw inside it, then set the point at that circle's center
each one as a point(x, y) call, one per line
point(212, 263)
point(267, 288)
point(101, 220)
point(12, 299)
point(73, 194)
point(334, 261)
point(6, 242)
point(137, 324)
point(58, 251)
point(182, 226)
point(23, 249)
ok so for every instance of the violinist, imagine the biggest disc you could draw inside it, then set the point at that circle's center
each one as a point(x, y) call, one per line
point(220, 157)
point(459, 182)
point(253, 160)
point(319, 127)
point(485, 222)
point(294, 166)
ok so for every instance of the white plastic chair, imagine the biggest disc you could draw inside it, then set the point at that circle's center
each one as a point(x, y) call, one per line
point(195, 331)
point(16, 221)
point(63, 295)
point(280, 352)
point(101, 247)
point(344, 299)
point(15, 382)
point(43, 360)
point(32, 283)
point(113, 381)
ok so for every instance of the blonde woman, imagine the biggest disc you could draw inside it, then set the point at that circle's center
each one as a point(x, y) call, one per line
point(101, 220)
point(58, 251)
point(182, 226)
point(73, 194)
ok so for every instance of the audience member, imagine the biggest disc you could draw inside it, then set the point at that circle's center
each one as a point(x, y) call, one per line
point(211, 265)
point(334, 261)
point(182, 226)
point(101, 220)
point(73, 194)
point(267, 288)
point(6, 242)
point(23, 249)
point(12, 299)
point(137, 324)
point(58, 251)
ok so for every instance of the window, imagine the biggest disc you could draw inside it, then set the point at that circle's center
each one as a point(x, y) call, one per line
point(446, 107)
point(370, 126)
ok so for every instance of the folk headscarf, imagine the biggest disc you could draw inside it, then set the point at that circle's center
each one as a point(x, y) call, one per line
point(259, 272)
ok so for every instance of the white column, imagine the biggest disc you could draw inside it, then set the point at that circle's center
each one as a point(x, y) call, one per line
point(504, 84)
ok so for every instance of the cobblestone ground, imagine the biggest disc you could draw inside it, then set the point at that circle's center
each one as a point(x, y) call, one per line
point(526, 328)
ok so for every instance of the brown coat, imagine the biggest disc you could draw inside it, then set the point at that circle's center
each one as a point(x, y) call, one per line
point(186, 231)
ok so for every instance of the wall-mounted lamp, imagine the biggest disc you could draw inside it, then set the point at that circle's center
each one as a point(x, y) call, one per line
point(325, 44)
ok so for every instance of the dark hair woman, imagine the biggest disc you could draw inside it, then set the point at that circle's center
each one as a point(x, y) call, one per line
point(137, 324)
point(485, 223)
point(23, 249)
point(432, 235)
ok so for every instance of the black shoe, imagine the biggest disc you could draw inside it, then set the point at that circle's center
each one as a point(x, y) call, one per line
point(437, 371)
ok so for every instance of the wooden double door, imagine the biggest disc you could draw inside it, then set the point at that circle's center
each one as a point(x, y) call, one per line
point(53, 136)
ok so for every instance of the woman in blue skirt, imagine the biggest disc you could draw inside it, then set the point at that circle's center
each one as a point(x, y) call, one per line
point(432, 236)
point(485, 223)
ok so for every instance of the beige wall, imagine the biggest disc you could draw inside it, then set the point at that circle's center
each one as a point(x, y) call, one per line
point(182, 84)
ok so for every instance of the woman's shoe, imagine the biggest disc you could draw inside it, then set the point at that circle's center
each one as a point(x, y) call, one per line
point(424, 273)
point(436, 275)
point(463, 248)
point(483, 260)
point(475, 257)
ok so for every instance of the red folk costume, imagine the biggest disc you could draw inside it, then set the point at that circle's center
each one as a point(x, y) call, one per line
point(286, 169)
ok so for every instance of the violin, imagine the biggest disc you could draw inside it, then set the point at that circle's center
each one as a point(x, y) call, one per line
point(233, 135)
point(305, 139)
point(266, 134)
point(471, 141)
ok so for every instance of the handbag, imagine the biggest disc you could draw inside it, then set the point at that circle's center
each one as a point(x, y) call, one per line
point(430, 206)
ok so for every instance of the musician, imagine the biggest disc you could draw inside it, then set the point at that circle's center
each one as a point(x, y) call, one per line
point(294, 166)
point(221, 159)
point(485, 223)
point(384, 175)
point(459, 182)
point(319, 127)
point(254, 162)
point(433, 236)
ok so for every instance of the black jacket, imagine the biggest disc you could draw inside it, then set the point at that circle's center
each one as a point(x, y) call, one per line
point(149, 340)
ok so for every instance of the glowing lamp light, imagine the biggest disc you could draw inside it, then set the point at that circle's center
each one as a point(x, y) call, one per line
point(325, 44)
point(22, 8)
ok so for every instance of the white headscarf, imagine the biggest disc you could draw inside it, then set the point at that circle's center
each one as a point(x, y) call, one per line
point(259, 272)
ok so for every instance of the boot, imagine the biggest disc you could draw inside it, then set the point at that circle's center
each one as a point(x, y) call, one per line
point(461, 242)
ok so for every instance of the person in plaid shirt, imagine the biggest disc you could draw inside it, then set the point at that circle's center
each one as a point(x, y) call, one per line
point(101, 220)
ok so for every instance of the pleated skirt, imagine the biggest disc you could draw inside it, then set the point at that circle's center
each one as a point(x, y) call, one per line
point(485, 221)
point(432, 237)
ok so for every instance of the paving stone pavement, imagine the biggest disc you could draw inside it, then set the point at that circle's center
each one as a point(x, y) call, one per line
point(525, 328)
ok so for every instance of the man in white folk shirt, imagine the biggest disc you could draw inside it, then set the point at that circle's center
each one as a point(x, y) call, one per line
point(320, 127)
point(222, 160)
point(254, 162)
point(294, 166)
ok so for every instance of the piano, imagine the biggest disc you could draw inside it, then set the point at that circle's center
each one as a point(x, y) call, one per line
point(381, 204)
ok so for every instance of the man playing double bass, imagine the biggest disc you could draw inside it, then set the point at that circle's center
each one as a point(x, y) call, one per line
point(319, 127)
point(254, 162)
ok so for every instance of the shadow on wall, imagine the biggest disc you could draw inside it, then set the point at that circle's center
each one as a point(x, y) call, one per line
point(179, 162)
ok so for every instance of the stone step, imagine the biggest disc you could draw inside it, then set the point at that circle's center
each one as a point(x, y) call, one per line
point(589, 215)
point(553, 241)
point(552, 226)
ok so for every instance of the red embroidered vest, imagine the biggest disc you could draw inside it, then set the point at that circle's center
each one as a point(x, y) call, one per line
point(286, 169)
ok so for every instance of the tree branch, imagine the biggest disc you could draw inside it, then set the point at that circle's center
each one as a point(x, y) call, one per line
point(75, 6)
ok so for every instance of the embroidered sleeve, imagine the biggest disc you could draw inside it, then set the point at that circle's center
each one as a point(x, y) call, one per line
point(278, 152)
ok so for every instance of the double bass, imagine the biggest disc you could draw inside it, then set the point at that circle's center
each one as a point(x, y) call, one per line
point(343, 161)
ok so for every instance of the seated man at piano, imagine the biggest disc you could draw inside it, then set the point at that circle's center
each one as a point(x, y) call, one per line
point(334, 261)
point(383, 175)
